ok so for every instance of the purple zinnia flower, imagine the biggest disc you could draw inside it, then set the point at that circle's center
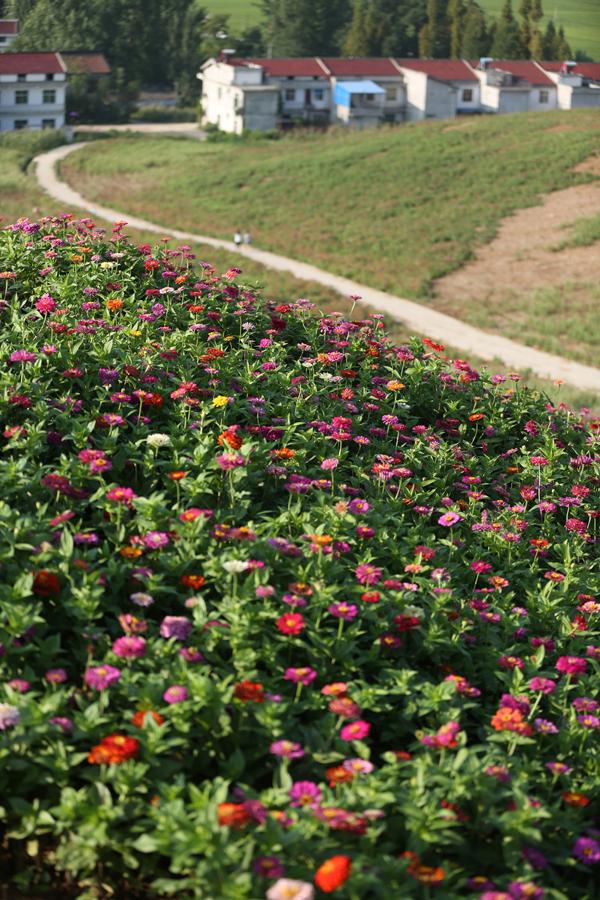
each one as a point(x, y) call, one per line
point(587, 850)
point(175, 627)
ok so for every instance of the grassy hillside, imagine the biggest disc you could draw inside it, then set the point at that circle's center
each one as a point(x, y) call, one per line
point(395, 208)
point(580, 18)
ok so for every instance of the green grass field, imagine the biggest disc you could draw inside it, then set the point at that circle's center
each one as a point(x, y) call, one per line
point(580, 18)
point(394, 208)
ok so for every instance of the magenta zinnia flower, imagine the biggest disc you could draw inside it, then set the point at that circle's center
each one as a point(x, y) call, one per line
point(101, 677)
point(587, 850)
point(449, 519)
point(155, 540)
point(287, 749)
point(305, 793)
point(129, 647)
point(345, 611)
point(303, 674)
point(367, 574)
point(571, 665)
point(177, 693)
point(355, 731)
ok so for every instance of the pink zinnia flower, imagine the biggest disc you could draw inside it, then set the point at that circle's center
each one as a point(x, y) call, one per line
point(129, 647)
point(177, 693)
point(355, 731)
point(101, 677)
point(367, 574)
point(449, 519)
point(571, 665)
point(155, 540)
point(56, 676)
point(305, 793)
point(287, 749)
point(121, 495)
point(289, 889)
point(345, 611)
point(543, 685)
point(304, 675)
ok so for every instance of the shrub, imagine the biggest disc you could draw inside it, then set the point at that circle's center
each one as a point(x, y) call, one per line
point(279, 599)
point(164, 114)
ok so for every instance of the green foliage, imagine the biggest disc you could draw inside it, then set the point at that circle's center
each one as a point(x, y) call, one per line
point(385, 28)
point(304, 27)
point(164, 114)
point(475, 41)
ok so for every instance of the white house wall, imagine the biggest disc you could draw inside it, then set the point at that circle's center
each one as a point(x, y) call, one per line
point(35, 111)
point(416, 94)
point(440, 101)
point(535, 102)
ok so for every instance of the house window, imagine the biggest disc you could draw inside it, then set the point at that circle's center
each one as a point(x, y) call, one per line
point(2, 39)
point(467, 95)
point(49, 77)
point(19, 124)
point(390, 94)
point(21, 77)
point(48, 123)
point(290, 94)
point(369, 96)
point(544, 95)
point(21, 97)
point(318, 94)
point(49, 96)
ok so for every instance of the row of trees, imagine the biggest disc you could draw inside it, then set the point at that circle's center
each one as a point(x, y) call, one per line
point(157, 42)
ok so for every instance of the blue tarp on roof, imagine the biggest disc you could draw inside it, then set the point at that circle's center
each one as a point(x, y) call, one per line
point(345, 89)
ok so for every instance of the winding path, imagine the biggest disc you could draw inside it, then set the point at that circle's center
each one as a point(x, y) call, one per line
point(413, 316)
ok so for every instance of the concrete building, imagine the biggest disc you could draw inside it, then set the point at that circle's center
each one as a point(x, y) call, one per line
point(262, 94)
point(236, 98)
point(384, 73)
point(32, 91)
point(9, 31)
point(464, 96)
point(577, 84)
point(511, 85)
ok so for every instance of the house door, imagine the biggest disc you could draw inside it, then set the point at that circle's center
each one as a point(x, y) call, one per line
point(307, 96)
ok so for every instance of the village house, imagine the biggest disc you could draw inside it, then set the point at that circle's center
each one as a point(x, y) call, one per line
point(514, 85)
point(263, 94)
point(439, 88)
point(32, 91)
point(9, 31)
point(577, 84)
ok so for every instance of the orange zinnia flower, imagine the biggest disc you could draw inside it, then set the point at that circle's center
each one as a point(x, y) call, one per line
point(193, 581)
point(139, 717)
point(130, 552)
point(233, 815)
point(177, 475)
point(114, 303)
point(333, 873)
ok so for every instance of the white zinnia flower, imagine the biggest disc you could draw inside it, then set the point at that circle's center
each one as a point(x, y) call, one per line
point(9, 716)
point(235, 566)
point(158, 440)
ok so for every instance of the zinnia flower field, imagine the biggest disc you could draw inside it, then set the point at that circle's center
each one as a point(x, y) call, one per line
point(285, 609)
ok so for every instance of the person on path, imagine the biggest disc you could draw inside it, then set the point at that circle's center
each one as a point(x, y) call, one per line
point(237, 237)
point(247, 237)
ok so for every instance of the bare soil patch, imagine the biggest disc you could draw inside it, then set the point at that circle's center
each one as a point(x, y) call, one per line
point(520, 259)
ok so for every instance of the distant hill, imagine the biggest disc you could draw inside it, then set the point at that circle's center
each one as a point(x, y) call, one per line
point(580, 18)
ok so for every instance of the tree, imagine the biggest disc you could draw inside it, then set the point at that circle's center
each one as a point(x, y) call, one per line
point(304, 27)
point(385, 28)
point(536, 44)
point(456, 18)
point(475, 39)
point(434, 37)
point(563, 48)
point(549, 41)
point(507, 38)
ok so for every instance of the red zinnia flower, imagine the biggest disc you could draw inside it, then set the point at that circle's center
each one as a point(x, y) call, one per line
point(233, 815)
point(45, 583)
point(139, 717)
point(290, 623)
point(333, 873)
point(249, 691)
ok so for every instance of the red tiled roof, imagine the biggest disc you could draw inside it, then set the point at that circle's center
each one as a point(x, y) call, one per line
point(588, 70)
point(442, 69)
point(525, 69)
point(371, 67)
point(301, 67)
point(85, 62)
point(9, 26)
point(30, 64)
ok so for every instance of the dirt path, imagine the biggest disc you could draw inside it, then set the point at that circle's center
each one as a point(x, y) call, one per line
point(520, 260)
point(415, 317)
